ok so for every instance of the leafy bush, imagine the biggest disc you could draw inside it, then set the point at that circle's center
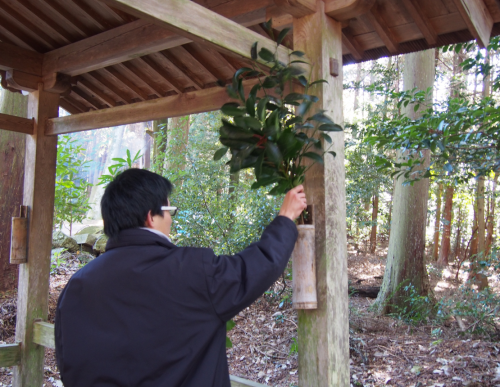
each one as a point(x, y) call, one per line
point(71, 202)
point(415, 308)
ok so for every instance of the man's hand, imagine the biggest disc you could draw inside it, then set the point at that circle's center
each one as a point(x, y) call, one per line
point(295, 202)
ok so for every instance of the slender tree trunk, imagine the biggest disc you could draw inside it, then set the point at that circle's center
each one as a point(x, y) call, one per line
point(178, 140)
point(406, 253)
point(11, 183)
point(437, 224)
point(476, 275)
point(373, 235)
point(444, 253)
point(160, 130)
point(491, 217)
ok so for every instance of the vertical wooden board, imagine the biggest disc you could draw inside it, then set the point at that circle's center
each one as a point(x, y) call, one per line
point(324, 333)
point(39, 190)
point(10, 355)
point(478, 19)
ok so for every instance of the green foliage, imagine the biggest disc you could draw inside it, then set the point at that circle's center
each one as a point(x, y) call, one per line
point(415, 308)
point(294, 348)
point(229, 325)
point(120, 166)
point(266, 132)
point(481, 310)
point(71, 202)
point(215, 209)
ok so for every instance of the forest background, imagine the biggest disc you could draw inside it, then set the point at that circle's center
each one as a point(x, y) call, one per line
point(452, 144)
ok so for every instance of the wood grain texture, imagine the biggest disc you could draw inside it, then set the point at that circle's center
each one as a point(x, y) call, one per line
point(19, 241)
point(10, 354)
point(16, 124)
point(347, 9)
point(43, 334)
point(304, 269)
point(12, 57)
point(323, 334)
point(297, 8)
point(383, 30)
point(39, 187)
point(166, 107)
point(240, 382)
point(200, 24)
point(421, 21)
point(478, 19)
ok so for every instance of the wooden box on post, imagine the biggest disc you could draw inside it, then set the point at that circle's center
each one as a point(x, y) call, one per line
point(19, 238)
point(304, 266)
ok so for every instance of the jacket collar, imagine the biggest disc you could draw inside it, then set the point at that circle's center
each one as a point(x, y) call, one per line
point(137, 237)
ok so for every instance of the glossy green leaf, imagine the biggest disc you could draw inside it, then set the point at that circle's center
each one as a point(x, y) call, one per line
point(330, 128)
point(220, 153)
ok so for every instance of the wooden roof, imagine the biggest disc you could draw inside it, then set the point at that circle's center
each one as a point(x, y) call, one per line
point(99, 56)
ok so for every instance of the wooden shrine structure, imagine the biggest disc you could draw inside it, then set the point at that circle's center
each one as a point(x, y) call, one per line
point(114, 62)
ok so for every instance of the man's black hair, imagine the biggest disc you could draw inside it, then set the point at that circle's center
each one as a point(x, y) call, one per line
point(130, 196)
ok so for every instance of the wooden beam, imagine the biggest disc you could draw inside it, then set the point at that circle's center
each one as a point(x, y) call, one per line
point(12, 57)
point(297, 8)
point(382, 30)
point(423, 24)
point(173, 106)
point(34, 276)
point(10, 355)
point(97, 92)
point(323, 333)
point(200, 24)
point(16, 124)
point(136, 39)
point(352, 45)
point(478, 19)
point(240, 382)
point(343, 10)
point(43, 334)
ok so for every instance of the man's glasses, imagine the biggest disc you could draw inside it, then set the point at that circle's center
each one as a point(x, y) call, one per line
point(171, 209)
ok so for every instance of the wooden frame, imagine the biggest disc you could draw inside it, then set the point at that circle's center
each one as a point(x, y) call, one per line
point(10, 355)
point(16, 124)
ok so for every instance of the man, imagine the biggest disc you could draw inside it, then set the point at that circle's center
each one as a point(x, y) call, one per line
point(148, 313)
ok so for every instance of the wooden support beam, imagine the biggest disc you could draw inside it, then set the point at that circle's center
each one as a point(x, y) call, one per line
point(352, 45)
point(16, 124)
point(148, 61)
point(98, 93)
point(240, 382)
point(297, 8)
point(39, 191)
point(135, 39)
point(478, 19)
point(200, 24)
point(323, 333)
point(12, 57)
point(43, 334)
point(343, 10)
point(10, 355)
point(173, 106)
point(423, 24)
point(69, 107)
point(382, 30)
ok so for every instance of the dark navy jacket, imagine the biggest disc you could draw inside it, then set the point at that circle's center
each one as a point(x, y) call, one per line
point(148, 313)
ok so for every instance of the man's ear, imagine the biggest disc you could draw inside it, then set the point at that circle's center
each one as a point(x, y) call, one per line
point(149, 221)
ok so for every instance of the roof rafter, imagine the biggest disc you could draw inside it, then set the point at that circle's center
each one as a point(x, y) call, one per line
point(478, 19)
point(200, 24)
point(423, 24)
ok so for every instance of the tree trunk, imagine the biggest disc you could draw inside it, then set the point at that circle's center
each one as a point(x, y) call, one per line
point(160, 130)
point(12, 148)
point(491, 217)
point(447, 215)
point(178, 137)
point(437, 224)
point(373, 235)
point(476, 276)
point(357, 86)
point(406, 253)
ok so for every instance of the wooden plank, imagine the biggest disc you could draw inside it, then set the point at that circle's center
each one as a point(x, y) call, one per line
point(342, 10)
point(16, 124)
point(39, 191)
point(200, 24)
point(297, 8)
point(12, 57)
point(149, 61)
point(478, 19)
point(166, 107)
point(43, 334)
point(69, 107)
point(97, 92)
point(382, 30)
point(352, 45)
point(118, 72)
point(134, 39)
point(93, 102)
point(10, 354)
point(106, 81)
point(323, 333)
point(421, 21)
point(147, 77)
point(240, 382)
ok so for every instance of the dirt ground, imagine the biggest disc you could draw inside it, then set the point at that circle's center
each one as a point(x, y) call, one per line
point(383, 351)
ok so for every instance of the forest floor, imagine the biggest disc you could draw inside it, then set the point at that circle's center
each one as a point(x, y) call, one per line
point(383, 350)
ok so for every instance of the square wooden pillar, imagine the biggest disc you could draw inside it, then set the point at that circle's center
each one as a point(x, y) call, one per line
point(323, 334)
point(34, 276)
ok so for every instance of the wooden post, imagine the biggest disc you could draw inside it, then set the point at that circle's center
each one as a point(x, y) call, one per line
point(33, 289)
point(324, 332)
